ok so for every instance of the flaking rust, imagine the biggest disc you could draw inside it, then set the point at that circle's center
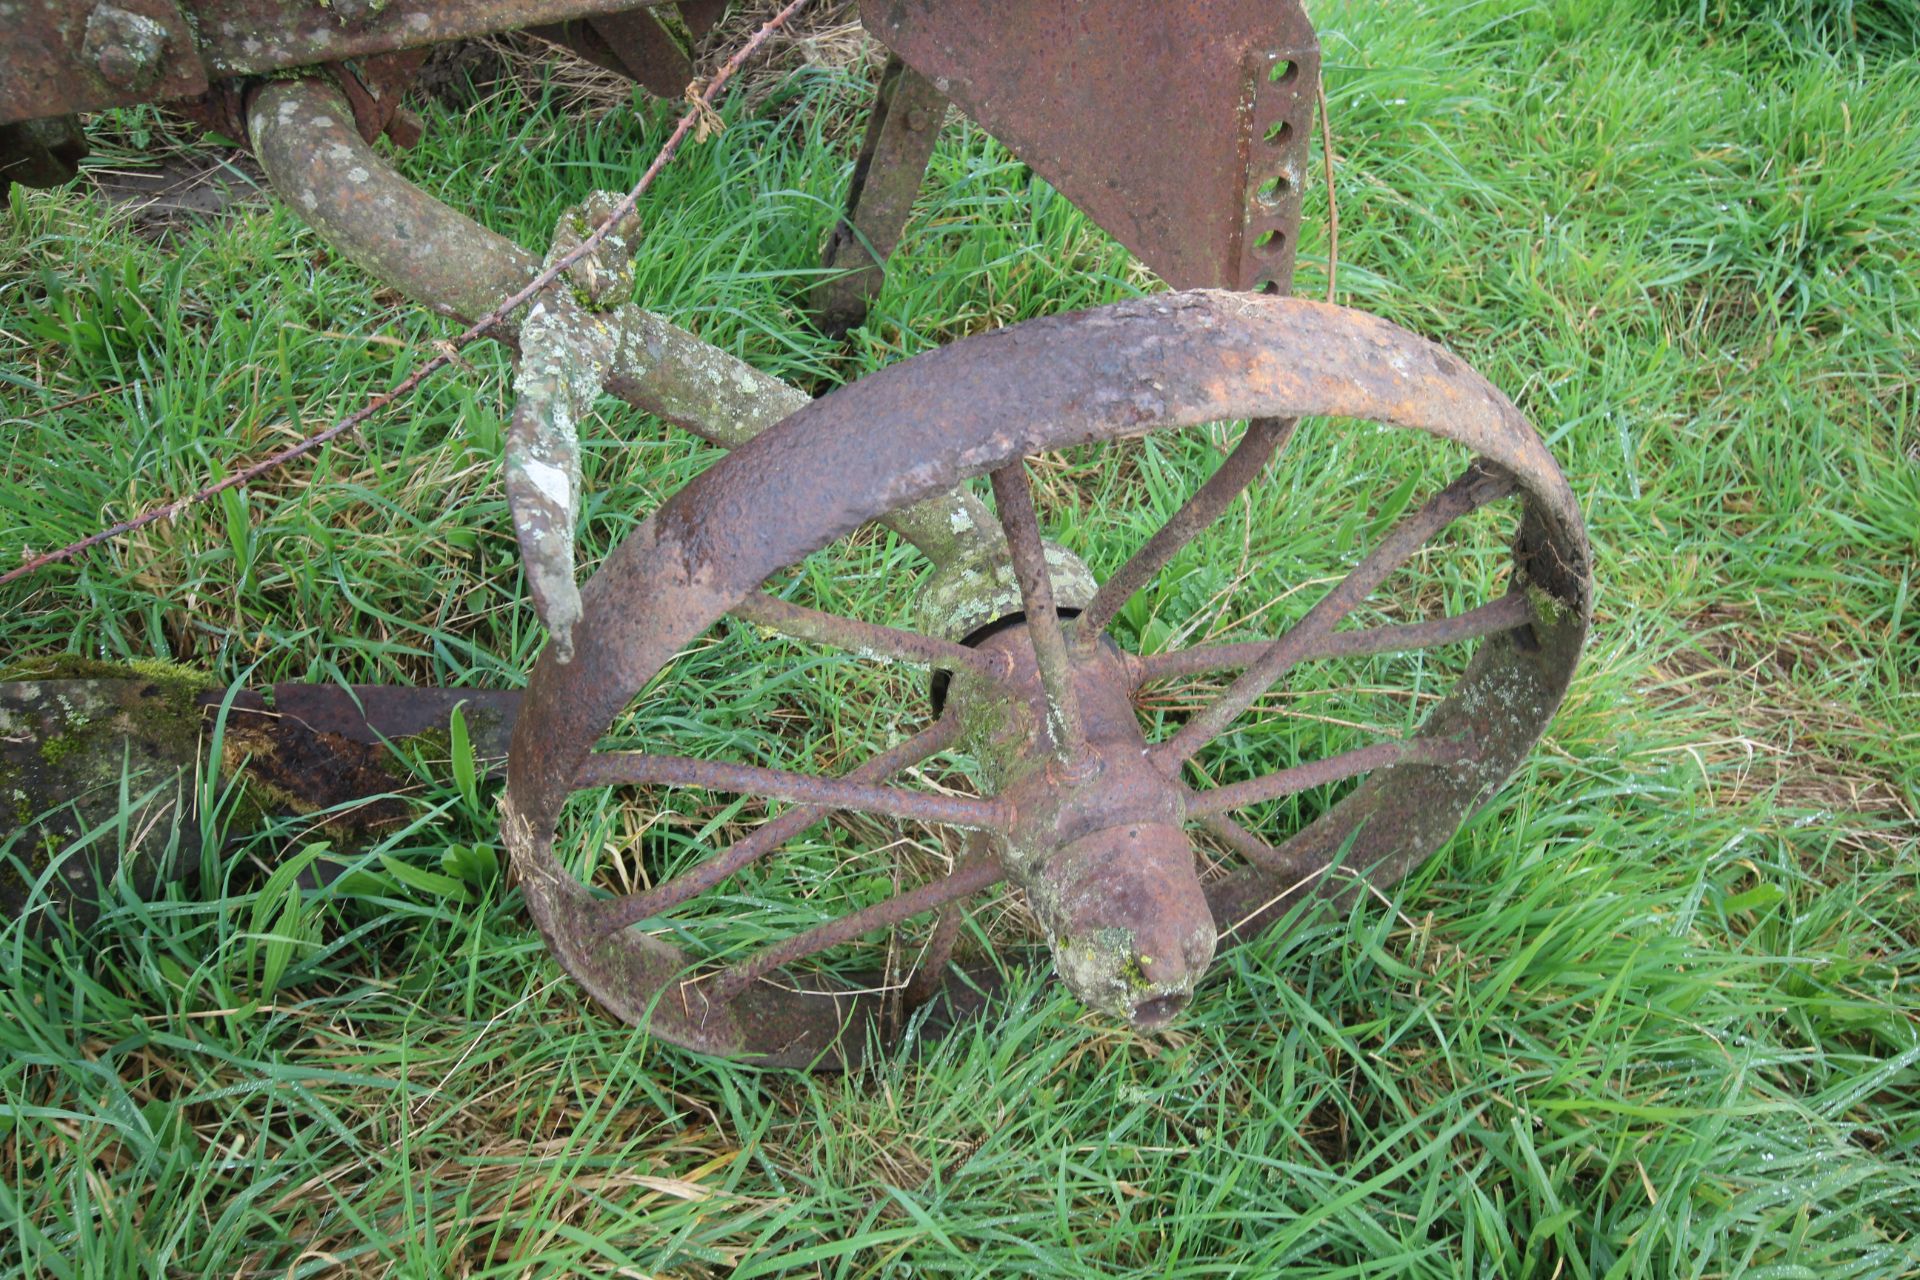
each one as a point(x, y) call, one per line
point(1094, 832)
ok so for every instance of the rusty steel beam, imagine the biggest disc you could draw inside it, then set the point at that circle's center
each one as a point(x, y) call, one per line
point(633, 45)
point(81, 55)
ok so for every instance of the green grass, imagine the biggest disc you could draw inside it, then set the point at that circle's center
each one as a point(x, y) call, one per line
point(1651, 1014)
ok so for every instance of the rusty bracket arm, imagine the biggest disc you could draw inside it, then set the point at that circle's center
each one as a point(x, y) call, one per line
point(907, 113)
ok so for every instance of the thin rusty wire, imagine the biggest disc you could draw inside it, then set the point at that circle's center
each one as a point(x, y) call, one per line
point(447, 352)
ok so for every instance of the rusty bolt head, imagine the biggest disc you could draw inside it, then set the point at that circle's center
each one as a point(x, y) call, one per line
point(126, 48)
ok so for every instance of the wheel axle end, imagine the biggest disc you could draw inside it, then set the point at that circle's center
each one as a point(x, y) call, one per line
point(1127, 922)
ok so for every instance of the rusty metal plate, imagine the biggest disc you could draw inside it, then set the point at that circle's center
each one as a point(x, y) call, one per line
point(701, 15)
point(1180, 128)
point(59, 56)
point(374, 713)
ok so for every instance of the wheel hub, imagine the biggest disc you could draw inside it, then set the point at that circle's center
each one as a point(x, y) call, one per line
point(1097, 843)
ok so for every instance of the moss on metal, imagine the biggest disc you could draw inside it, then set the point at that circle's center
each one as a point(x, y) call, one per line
point(77, 734)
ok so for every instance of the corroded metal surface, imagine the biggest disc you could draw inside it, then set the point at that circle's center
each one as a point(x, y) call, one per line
point(1100, 855)
point(84, 55)
point(61, 56)
point(632, 44)
point(1180, 128)
point(98, 771)
point(377, 714)
point(96, 786)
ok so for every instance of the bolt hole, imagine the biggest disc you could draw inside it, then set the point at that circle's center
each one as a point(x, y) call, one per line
point(1281, 134)
point(1273, 191)
point(1285, 71)
point(1270, 242)
point(1271, 288)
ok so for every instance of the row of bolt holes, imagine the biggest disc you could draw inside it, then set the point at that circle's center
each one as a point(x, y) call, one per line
point(1274, 190)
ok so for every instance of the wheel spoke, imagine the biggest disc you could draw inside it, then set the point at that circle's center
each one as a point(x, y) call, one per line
point(865, 638)
point(1475, 488)
point(1263, 439)
point(969, 878)
point(618, 913)
point(1246, 844)
point(926, 979)
point(610, 768)
point(1015, 498)
point(1504, 614)
point(1316, 773)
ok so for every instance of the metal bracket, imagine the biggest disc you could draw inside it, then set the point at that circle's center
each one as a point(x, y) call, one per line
point(907, 114)
point(631, 44)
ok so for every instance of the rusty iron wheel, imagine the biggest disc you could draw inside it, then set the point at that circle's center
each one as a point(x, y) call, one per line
point(1079, 810)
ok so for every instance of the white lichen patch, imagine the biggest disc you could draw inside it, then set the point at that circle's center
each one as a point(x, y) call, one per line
point(551, 481)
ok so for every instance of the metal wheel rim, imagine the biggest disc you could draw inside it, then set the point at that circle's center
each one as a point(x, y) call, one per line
point(921, 426)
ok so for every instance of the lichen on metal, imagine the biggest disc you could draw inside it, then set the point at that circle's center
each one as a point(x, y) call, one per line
point(569, 343)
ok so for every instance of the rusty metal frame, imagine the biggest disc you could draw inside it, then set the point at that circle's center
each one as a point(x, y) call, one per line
point(901, 132)
point(632, 44)
point(84, 55)
point(1205, 123)
point(1180, 128)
